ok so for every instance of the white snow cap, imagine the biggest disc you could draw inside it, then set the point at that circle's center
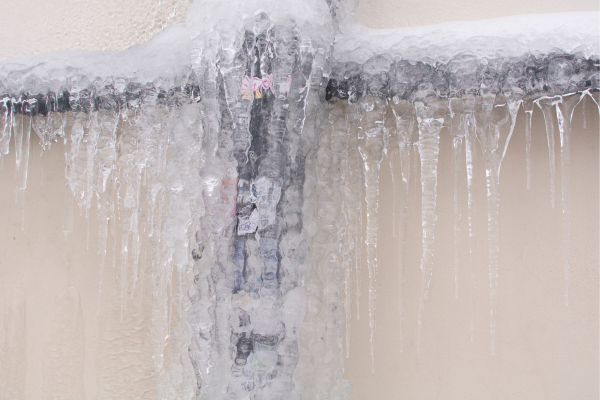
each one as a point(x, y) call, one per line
point(492, 38)
point(165, 56)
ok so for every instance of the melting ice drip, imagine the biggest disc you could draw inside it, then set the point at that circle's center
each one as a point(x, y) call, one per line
point(253, 160)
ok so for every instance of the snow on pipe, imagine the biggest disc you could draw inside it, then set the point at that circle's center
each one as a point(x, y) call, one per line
point(249, 136)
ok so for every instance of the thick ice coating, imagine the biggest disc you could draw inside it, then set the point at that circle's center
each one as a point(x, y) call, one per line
point(244, 143)
point(162, 63)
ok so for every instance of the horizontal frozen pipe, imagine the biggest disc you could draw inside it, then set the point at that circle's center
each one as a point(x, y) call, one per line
point(380, 76)
point(520, 55)
point(163, 61)
point(464, 74)
point(90, 98)
point(523, 55)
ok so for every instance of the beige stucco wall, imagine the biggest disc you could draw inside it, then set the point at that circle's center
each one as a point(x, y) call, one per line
point(49, 285)
point(393, 14)
point(37, 26)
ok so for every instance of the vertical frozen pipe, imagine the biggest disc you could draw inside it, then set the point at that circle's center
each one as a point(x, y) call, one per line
point(214, 45)
point(430, 116)
point(273, 71)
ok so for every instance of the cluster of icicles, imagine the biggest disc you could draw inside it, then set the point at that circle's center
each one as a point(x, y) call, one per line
point(367, 129)
point(122, 159)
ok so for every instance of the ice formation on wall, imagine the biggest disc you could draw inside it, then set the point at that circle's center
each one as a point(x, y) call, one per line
point(243, 144)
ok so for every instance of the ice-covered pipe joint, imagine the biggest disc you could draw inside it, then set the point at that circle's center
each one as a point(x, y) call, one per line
point(262, 70)
point(243, 145)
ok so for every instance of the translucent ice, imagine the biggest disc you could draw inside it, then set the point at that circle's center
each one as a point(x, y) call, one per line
point(564, 113)
point(430, 118)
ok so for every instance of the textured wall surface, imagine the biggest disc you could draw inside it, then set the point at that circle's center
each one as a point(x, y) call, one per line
point(382, 14)
point(37, 26)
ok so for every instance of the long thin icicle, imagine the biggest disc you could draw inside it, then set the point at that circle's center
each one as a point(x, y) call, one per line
point(545, 103)
point(356, 165)
point(347, 227)
point(371, 149)
point(22, 129)
point(430, 124)
point(564, 114)
point(68, 205)
point(5, 126)
point(457, 131)
point(401, 136)
point(528, 107)
point(493, 132)
point(403, 234)
point(469, 129)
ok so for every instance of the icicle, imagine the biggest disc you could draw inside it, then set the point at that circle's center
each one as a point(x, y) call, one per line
point(356, 165)
point(135, 240)
point(102, 239)
point(471, 203)
point(119, 216)
point(584, 99)
point(416, 162)
point(114, 215)
point(371, 149)
point(545, 103)
point(528, 107)
point(395, 184)
point(403, 234)
point(25, 153)
point(347, 223)
point(564, 115)
point(348, 304)
point(457, 130)
point(404, 120)
point(359, 241)
point(6, 126)
point(513, 108)
point(68, 205)
point(22, 129)
point(430, 118)
point(17, 122)
point(493, 133)
point(595, 98)
point(91, 141)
